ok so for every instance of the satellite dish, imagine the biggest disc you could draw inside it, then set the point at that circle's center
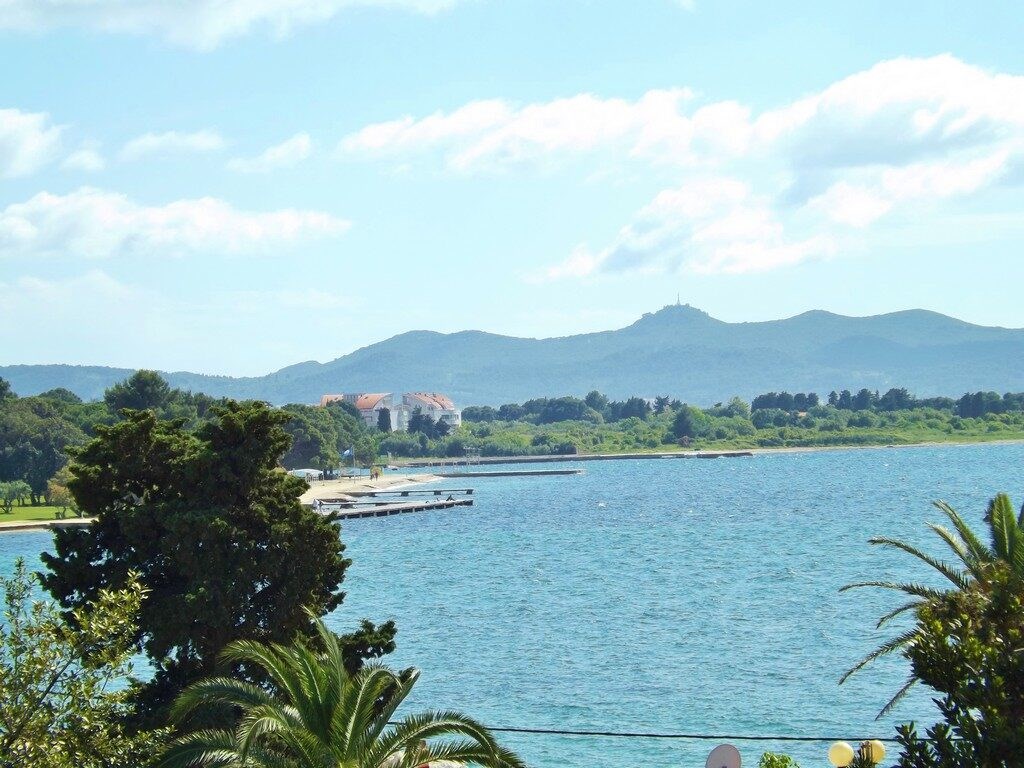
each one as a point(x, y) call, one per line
point(724, 756)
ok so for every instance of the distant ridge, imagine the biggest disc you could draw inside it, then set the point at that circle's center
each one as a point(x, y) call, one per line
point(679, 350)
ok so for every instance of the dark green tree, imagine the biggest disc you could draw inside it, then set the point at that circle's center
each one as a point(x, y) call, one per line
point(384, 420)
point(61, 395)
point(214, 530)
point(314, 438)
point(479, 413)
point(5, 390)
point(35, 441)
point(597, 401)
point(143, 390)
point(689, 423)
point(511, 412)
point(635, 407)
point(420, 422)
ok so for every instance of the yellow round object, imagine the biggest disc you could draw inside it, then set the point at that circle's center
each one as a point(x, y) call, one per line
point(840, 754)
point(876, 751)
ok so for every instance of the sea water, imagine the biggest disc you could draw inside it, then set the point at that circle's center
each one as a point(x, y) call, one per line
point(672, 596)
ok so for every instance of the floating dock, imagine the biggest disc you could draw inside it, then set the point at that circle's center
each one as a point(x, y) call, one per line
point(351, 495)
point(512, 473)
point(377, 509)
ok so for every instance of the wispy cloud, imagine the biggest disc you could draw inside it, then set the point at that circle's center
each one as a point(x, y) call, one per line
point(92, 223)
point(86, 158)
point(28, 141)
point(202, 24)
point(483, 135)
point(287, 154)
point(172, 142)
point(786, 185)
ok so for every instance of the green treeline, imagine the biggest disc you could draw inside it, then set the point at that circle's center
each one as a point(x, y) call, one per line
point(596, 424)
point(38, 434)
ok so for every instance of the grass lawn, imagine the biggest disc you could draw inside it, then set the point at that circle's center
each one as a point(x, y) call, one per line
point(27, 513)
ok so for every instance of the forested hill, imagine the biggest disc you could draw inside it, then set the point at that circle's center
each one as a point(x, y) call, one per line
point(678, 350)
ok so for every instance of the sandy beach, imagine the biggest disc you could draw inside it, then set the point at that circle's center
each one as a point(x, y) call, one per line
point(321, 489)
point(328, 489)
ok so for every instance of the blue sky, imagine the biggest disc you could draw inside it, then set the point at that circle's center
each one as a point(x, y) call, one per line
point(235, 187)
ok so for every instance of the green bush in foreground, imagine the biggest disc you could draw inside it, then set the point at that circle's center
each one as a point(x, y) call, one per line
point(62, 704)
point(967, 643)
point(322, 716)
point(776, 760)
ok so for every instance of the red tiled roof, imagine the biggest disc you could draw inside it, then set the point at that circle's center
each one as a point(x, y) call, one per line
point(434, 400)
point(370, 401)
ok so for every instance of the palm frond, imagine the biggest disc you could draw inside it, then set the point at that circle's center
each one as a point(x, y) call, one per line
point(360, 705)
point(322, 717)
point(465, 751)
point(201, 749)
point(974, 545)
point(911, 606)
point(896, 644)
point(900, 695)
point(213, 691)
point(389, 707)
point(959, 578)
point(917, 590)
point(423, 727)
point(256, 723)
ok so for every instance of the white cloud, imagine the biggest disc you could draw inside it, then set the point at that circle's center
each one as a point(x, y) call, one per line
point(172, 142)
point(28, 141)
point(202, 24)
point(34, 291)
point(709, 225)
point(903, 136)
point(92, 223)
point(898, 111)
point(859, 204)
point(284, 155)
point(494, 133)
point(87, 158)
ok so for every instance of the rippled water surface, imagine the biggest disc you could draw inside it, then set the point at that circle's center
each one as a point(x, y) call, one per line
point(696, 596)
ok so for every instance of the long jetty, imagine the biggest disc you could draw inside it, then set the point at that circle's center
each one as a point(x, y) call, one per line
point(512, 473)
point(574, 457)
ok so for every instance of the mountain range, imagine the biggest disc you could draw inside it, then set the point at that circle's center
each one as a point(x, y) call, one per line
point(679, 350)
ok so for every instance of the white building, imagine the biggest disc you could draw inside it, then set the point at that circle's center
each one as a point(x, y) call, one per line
point(439, 407)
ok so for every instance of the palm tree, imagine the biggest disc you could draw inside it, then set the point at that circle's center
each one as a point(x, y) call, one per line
point(323, 717)
point(971, 572)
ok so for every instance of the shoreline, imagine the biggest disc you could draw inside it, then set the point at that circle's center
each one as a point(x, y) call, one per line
point(328, 488)
point(317, 489)
point(708, 453)
point(320, 489)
